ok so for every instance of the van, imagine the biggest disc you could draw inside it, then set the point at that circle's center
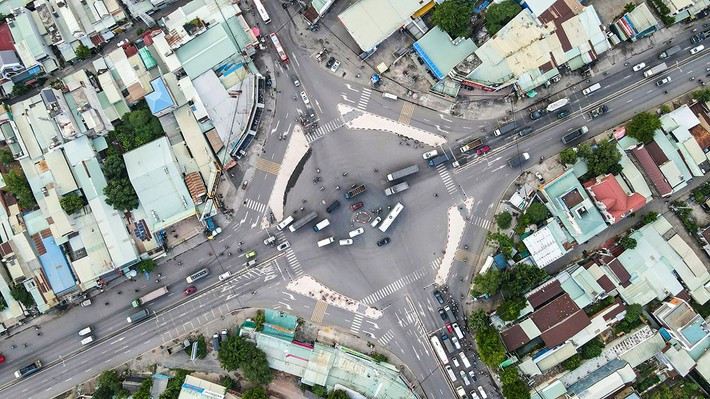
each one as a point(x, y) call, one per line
point(457, 330)
point(225, 276)
point(250, 263)
point(284, 223)
point(346, 241)
point(461, 392)
point(85, 331)
point(332, 206)
point(324, 242)
point(215, 342)
point(376, 221)
point(390, 96)
point(456, 342)
point(451, 373)
point(591, 89)
point(198, 275)
point(464, 360)
point(482, 392)
point(87, 340)
point(321, 225)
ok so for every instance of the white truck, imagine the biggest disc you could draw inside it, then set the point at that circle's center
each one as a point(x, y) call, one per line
point(397, 188)
point(655, 70)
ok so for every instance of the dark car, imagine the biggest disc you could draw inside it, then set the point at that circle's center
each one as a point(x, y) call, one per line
point(383, 241)
point(356, 205)
point(330, 62)
point(524, 132)
point(438, 297)
point(483, 150)
point(563, 114)
point(333, 206)
point(443, 314)
point(268, 82)
point(538, 114)
point(189, 290)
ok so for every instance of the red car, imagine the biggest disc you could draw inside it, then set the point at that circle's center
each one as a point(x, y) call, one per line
point(448, 327)
point(2, 359)
point(189, 290)
point(356, 206)
point(483, 150)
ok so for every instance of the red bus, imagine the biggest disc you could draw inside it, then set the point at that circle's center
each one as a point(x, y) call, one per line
point(279, 49)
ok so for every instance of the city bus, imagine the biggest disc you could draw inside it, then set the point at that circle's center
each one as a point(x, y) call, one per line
point(279, 49)
point(262, 11)
point(436, 344)
point(391, 217)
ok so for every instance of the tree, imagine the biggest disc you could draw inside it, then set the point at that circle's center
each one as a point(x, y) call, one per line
point(499, 14)
point(121, 195)
point(82, 52)
point(319, 390)
point(113, 167)
point(3, 304)
point(452, 17)
point(201, 348)
point(144, 389)
point(509, 375)
point(338, 394)
point(6, 155)
point(235, 353)
point(229, 353)
point(502, 242)
point(649, 218)
point(490, 348)
point(487, 283)
point(702, 96)
point(629, 7)
point(572, 363)
point(146, 266)
point(521, 278)
point(627, 242)
point(537, 212)
point(109, 379)
point(516, 390)
point(504, 220)
point(584, 150)
point(228, 382)
point(102, 392)
point(17, 184)
point(379, 357)
point(257, 392)
point(19, 292)
point(591, 349)
point(633, 312)
point(665, 109)
point(568, 156)
point(172, 391)
point(257, 368)
point(510, 309)
point(643, 126)
point(603, 157)
point(71, 203)
point(259, 320)
point(20, 89)
point(137, 127)
point(478, 320)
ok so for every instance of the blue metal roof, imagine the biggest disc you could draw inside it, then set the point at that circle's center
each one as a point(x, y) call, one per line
point(429, 63)
point(160, 98)
point(56, 268)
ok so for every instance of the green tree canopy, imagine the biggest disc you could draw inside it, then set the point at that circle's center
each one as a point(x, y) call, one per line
point(338, 394)
point(319, 390)
point(510, 309)
point(452, 17)
point(110, 380)
point(235, 353)
point(643, 126)
point(172, 391)
point(702, 96)
point(591, 349)
point(257, 392)
point(537, 212)
point(572, 363)
point(488, 282)
point(379, 357)
point(121, 195)
point(627, 242)
point(509, 375)
point(502, 242)
point(19, 292)
point(3, 304)
point(102, 392)
point(144, 389)
point(649, 217)
point(71, 203)
point(521, 278)
point(516, 390)
point(113, 167)
point(490, 348)
point(568, 156)
point(137, 127)
point(633, 312)
point(603, 157)
point(259, 320)
point(478, 320)
point(82, 52)
point(6, 155)
point(499, 14)
point(504, 220)
point(146, 266)
point(17, 184)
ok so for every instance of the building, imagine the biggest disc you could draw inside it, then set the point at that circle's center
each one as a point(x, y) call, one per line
point(604, 381)
point(441, 53)
point(612, 200)
point(197, 388)
point(678, 125)
point(636, 24)
point(682, 324)
point(547, 244)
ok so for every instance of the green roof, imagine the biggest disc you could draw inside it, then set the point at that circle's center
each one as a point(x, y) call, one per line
point(440, 53)
point(205, 51)
point(147, 58)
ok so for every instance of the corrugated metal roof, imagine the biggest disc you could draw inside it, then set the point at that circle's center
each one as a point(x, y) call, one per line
point(369, 22)
point(205, 51)
point(653, 171)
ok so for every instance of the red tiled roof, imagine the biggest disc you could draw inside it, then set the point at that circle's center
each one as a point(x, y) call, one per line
point(514, 337)
point(566, 329)
point(605, 282)
point(701, 135)
point(609, 192)
point(656, 153)
point(552, 313)
point(619, 271)
point(130, 50)
point(653, 172)
point(6, 42)
point(618, 307)
point(544, 293)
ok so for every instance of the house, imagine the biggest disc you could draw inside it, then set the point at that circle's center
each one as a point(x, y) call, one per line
point(29, 43)
point(682, 324)
point(315, 10)
point(547, 244)
point(609, 378)
point(678, 124)
point(610, 198)
point(635, 24)
point(197, 388)
point(441, 53)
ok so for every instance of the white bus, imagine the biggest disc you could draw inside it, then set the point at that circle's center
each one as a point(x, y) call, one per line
point(439, 349)
point(262, 11)
point(391, 217)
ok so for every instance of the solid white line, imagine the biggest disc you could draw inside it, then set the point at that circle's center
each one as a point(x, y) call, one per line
point(295, 59)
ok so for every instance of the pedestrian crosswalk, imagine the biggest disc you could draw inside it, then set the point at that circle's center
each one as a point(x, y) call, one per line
point(435, 264)
point(364, 98)
point(385, 339)
point(448, 180)
point(291, 256)
point(325, 129)
point(406, 115)
point(486, 224)
point(394, 287)
point(357, 322)
point(268, 166)
point(254, 205)
point(319, 312)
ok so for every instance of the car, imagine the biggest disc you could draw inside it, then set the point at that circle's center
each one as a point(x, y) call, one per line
point(346, 241)
point(464, 378)
point(442, 314)
point(639, 67)
point(269, 83)
point(224, 334)
point(563, 114)
point(474, 395)
point(376, 221)
point(295, 80)
point(539, 177)
point(538, 114)
point(444, 337)
point(356, 232)
point(599, 111)
point(86, 302)
point(356, 206)
point(271, 241)
point(330, 62)
point(383, 241)
point(483, 150)
point(335, 66)
point(438, 297)
point(250, 263)
point(455, 362)
point(189, 290)
point(430, 154)
point(472, 374)
point(304, 97)
point(697, 49)
point(524, 132)
point(225, 276)
point(250, 254)
point(284, 245)
point(448, 327)
point(698, 38)
point(2, 359)
point(663, 81)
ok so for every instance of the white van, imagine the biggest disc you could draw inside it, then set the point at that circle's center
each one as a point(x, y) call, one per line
point(321, 225)
point(461, 392)
point(451, 373)
point(457, 330)
point(456, 342)
point(483, 393)
point(284, 223)
point(390, 96)
point(376, 221)
point(464, 360)
point(85, 331)
point(87, 340)
point(356, 232)
point(591, 89)
point(324, 242)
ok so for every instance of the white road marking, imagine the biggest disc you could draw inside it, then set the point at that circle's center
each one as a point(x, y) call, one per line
point(295, 59)
point(444, 118)
point(351, 88)
point(347, 99)
point(318, 104)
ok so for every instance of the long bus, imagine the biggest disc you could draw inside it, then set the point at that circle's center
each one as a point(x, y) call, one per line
point(391, 217)
point(262, 11)
point(439, 349)
point(279, 49)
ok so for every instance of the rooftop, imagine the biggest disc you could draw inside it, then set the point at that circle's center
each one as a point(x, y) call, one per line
point(160, 99)
point(612, 201)
point(652, 171)
point(202, 53)
point(197, 388)
point(440, 53)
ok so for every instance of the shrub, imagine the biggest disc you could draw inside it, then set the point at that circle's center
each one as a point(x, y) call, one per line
point(572, 363)
point(71, 203)
point(568, 156)
point(628, 242)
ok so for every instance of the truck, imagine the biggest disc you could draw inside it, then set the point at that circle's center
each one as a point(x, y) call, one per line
point(397, 188)
point(574, 135)
point(302, 221)
point(452, 316)
point(669, 52)
point(29, 369)
point(150, 296)
point(505, 129)
point(470, 146)
point(656, 69)
point(460, 162)
point(557, 104)
point(517, 161)
point(438, 160)
point(178, 347)
point(449, 346)
point(357, 190)
point(138, 316)
point(403, 172)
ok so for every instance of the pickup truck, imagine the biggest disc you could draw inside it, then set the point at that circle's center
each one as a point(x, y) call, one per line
point(669, 52)
point(470, 146)
point(599, 111)
point(517, 161)
point(357, 190)
point(507, 128)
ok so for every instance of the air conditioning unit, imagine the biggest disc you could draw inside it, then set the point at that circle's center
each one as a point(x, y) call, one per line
point(11, 140)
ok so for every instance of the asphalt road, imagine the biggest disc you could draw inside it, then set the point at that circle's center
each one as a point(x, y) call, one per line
point(396, 278)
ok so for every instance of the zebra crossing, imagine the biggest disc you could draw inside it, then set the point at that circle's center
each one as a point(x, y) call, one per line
point(357, 322)
point(385, 339)
point(325, 129)
point(435, 264)
point(291, 256)
point(319, 312)
point(364, 98)
point(448, 180)
point(480, 222)
point(254, 205)
point(405, 117)
point(394, 287)
point(268, 166)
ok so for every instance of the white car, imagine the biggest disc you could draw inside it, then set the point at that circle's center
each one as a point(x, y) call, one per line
point(304, 97)
point(455, 362)
point(347, 241)
point(639, 67)
point(335, 66)
point(225, 276)
point(283, 246)
point(356, 232)
point(430, 154)
point(697, 49)
point(376, 221)
point(663, 81)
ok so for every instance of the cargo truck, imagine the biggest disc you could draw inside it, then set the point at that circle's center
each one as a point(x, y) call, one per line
point(505, 129)
point(356, 191)
point(403, 172)
point(448, 345)
point(669, 52)
point(574, 135)
point(138, 316)
point(29, 369)
point(438, 160)
point(452, 316)
point(150, 296)
point(658, 68)
point(302, 221)
point(397, 188)
point(470, 146)
point(517, 161)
